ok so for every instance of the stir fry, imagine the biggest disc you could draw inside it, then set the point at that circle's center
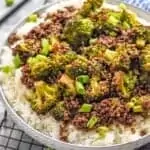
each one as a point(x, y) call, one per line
point(89, 67)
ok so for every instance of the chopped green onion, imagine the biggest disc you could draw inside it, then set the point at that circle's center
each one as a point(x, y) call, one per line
point(136, 100)
point(110, 55)
point(137, 109)
point(80, 88)
point(83, 79)
point(140, 43)
point(85, 108)
point(9, 2)
point(126, 25)
point(112, 33)
point(91, 123)
point(130, 105)
point(102, 131)
point(32, 18)
point(45, 47)
point(123, 6)
point(113, 20)
point(17, 61)
point(7, 69)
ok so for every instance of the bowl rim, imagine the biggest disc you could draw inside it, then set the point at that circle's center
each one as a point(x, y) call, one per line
point(31, 131)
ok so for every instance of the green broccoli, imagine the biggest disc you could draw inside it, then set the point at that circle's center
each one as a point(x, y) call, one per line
point(78, 67)
point(42, 66)
point(69, 85)
point(39, 66)
point(58, 111)
point(96, 89)
point(128, 19)
point(124, 83)
point(145, 58)
point(44, 97)
point(93, 51)
point(90, 6)
point(78, 31)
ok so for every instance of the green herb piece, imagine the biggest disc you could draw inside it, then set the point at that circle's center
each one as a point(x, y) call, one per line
point(113, 20)
point(45, 47)
point(130, 105)
point(85, 108)
point(7, 69)
point(32, 18)
point(80, 88)
point(83, 79)
point(110, 55)
point(91, 123)
point(136, 100)
point(126, 25)
point(9, 2)
point(137, 109)
point(140, 43)
point(102, 131)
point(17, 61)
point(123, 6)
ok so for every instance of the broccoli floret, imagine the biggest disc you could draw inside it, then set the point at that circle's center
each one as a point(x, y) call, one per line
point(93, 90)
point(145, 58)
point(128, 19)
point(78, 31)
point(93, 51)
point(60, 60)
point(77, 67)
point(90, 6)
point(42, 66)
point(124, 83)
point(44, 97)
point(39, 66)
point(26, 49)
point(58, 111)
point(96, 89)
point(69, 85)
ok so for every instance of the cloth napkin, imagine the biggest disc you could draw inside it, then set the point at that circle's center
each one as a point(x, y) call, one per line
point(143, 4)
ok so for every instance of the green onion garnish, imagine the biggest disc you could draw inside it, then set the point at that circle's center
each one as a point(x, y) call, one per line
point(91, 123)
point(83, 79)
point(7, 69)
point(113, 20)
point(9, 2)
point(102, 131)
point(32, 18)
point(85, 108)
point(17, 61)
point(45, 47)
point(80, 88)
point(137, 109)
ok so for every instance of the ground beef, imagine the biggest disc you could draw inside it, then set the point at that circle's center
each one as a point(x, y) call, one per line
point(72, 105)
point(26, 78)
point(60, 47)
point(43, 30)
point(54, 27)
point(113, 110)
point(13, 38)
point(80, 121)
point(108, 41)
point(143, 132)
point(61, 16)
point(142, 89)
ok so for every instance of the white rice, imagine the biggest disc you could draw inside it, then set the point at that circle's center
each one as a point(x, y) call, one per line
point(46, 123)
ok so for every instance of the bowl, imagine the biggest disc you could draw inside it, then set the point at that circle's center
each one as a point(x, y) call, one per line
point(50, 141)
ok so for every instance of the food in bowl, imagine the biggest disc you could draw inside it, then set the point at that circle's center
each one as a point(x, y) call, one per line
point(82, 74)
